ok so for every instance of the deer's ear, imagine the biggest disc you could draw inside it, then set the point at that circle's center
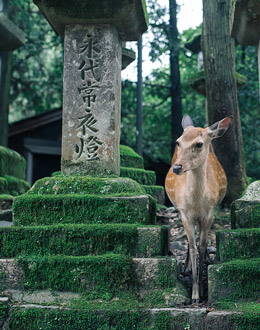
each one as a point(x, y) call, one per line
point(186, 122)
point(219, 128)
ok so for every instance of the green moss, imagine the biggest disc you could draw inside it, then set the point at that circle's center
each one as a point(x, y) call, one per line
point(129, 158)
point(239, 243)
point(11, 163)
point(13, 186)
point(80, 240)
point(31, 209)
point(236, 280)
point(96, 275)
point(143, 177)
point(84, 185)
point(156, 191)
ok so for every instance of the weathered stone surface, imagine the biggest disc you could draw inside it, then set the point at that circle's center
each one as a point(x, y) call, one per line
point(91, 100)
point(11, 37)
point(152, 241)
point(234, 280)
point(11, 274)
point(156, 191)
point(129, 17)
point(239, 243)
point(245, 212)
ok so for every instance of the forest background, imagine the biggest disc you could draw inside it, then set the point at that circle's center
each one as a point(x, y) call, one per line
point(36, 85)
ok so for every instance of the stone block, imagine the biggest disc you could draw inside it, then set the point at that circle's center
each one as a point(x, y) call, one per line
point(156, 191)
point(129, 17)
point(239, 243)
point(80, 240)
point(11, 163)
point(29, 209)
point(234, 280)
point(141, 176)
point(245, 212)
point(129, 158)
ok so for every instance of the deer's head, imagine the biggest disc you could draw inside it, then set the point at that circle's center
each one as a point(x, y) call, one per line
point(192, 147)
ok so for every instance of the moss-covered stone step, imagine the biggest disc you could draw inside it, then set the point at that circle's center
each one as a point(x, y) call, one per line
point(97, 275)
point(129, 158)
point(156, 192)
point(235, 280)
point(80, 240)
point(239, 243)
point(34, 317)
point(141, 176)
point(11, 163)
point(13, 186)
point(32, 209)
point(245, 212)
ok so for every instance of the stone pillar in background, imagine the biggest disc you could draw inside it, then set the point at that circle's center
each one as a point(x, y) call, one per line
point(93, 31)
point(11, 37)
point(91, 100)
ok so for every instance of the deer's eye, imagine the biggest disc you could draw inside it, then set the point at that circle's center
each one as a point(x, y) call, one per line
point(199, 145)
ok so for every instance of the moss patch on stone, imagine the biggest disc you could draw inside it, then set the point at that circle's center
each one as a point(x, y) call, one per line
point(156, 191)
point(30, 209)
point(80, 240)
point(234, 280)
point(239, 243)
point(6, 201)
point(129, 158)
point(141, 176)
point(85, 185)
point(11, 163)
point(13, 186)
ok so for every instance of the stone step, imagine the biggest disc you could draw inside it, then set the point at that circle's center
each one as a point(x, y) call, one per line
point(33, 316)
point(239, 243)
point(11, 163)
point(141, 176)
point(156, 192)
point(234, 280)
point(129, 158)
point(80, 240)
point(33, 209)
point(12, 185)
point(94, 275)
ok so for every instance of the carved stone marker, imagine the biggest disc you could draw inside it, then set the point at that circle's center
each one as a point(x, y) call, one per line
point(91, 100)
point(93, 31)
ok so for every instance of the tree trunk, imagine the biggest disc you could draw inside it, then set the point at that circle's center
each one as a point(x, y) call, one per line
point(175, 90)
point(221, 91)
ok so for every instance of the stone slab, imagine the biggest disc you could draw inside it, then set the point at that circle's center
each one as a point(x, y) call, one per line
point(245, 212)
point(91, 100)
point(235, 280)
point(11, 37)
point(129, 17)
point(239, 243)
point(54, 209)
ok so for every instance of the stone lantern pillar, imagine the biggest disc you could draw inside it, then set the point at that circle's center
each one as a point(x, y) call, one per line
point(93, 32)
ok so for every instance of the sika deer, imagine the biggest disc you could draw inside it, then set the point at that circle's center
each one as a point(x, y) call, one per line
point(195, 183)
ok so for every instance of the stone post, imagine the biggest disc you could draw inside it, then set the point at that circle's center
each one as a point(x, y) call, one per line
point(91, 100)
point(93, 31)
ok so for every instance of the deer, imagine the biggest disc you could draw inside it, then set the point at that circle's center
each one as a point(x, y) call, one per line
point(195, 184)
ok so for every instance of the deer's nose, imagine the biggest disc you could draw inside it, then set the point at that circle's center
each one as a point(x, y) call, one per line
point(176, 169)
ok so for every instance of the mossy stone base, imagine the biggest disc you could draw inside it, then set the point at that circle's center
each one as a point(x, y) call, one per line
point(129, 158)
point(13, 186)
point(56, 209)
point(141, 176)
point(239, 243)
point(89, 274)
point(11, 163)
point(80, 240)
point(234, 280)
point(156, 192)
point(56, 317)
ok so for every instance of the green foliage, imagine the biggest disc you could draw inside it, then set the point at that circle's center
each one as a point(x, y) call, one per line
point(36, 84)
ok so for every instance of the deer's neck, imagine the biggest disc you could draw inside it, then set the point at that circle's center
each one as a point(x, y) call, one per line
point(196, 181)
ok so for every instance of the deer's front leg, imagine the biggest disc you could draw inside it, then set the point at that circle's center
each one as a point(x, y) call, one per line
point(204, 230)
point(190, 232)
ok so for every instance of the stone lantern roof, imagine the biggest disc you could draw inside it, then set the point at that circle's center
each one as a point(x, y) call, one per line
point(128, 16)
